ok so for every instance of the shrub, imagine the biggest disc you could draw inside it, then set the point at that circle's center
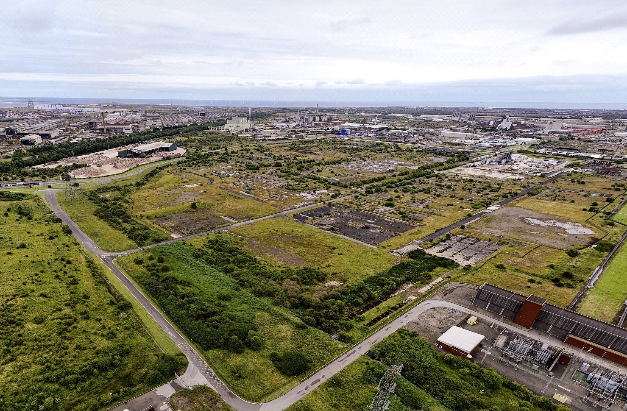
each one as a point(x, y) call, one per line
point(344, 337)
point(572, 253)
point(500, 266)
point(194, 205)
point(605, 246)
point(290, 363)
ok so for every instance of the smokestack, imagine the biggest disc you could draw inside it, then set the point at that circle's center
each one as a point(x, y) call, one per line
point(104, 125)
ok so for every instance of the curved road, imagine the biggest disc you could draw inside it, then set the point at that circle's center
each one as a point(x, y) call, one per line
point(199, 372)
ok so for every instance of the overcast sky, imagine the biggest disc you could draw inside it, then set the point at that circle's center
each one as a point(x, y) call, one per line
point(351, 50)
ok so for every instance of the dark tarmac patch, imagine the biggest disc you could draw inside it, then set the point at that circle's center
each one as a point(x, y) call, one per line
point(363, 226)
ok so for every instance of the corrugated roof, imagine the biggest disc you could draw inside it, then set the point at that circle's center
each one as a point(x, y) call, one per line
point(555, 321)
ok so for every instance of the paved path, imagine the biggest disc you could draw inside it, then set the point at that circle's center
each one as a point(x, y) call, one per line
point(199, 372)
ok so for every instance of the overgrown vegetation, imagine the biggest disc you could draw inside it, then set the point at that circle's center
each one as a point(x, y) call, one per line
point(235, 329)
point(288, 286)
point(199, 398)
point(69, 341)
point(429, 381)
point(12, 196)
point(113, 209)
point(454, 382)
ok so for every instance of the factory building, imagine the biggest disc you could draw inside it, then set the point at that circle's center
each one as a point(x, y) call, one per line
point(460, 342)
point(31, 140)
point(603, 339)
point(146, 150)
point(237, 124)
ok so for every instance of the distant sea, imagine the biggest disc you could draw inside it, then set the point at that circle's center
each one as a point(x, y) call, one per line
point(48, 102)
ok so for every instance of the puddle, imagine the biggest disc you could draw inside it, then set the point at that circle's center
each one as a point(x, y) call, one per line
point(571, 228)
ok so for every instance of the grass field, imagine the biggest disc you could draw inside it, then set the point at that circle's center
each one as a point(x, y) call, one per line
point(172, 192)
point(621, 215)
point(285, 242)
point(68, 343)
point(81, 211)
point(608, 296)
point(250, 373)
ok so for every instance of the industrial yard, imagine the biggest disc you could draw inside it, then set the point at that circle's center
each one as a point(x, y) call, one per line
point(109, 162)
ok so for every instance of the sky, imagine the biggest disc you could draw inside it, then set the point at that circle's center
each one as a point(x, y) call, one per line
point(342, 50)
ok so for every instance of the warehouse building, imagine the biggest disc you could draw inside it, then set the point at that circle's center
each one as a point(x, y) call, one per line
point(146, 150)
point(460, 342)
point(31, 140)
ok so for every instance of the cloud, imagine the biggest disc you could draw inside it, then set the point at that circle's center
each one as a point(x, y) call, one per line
point(347, 24)
point(321, 83)
point(588, 25)
point(356, 81)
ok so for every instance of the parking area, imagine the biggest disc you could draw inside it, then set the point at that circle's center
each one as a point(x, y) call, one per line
point(363, 226)
point(464, 250)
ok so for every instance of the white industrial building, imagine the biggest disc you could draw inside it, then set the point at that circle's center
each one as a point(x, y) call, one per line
point(459, 341)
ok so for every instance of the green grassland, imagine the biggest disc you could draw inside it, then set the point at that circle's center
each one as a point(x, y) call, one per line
point(81, 211)
point(429, 381)
point(285, 242)
point(608, 296)
point(68, 341)
point(166, 194)
point(621, 215)
point(250, 372)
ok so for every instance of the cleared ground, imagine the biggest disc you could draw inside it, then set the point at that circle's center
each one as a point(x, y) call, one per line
point(526, 225)
point(286, 242)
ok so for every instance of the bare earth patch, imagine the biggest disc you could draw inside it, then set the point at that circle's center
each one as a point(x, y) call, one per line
point(190, 221)
point(277, 254)
point(549, 230)
point(106, 163)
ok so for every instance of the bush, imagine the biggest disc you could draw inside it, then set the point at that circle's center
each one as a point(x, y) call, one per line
point(290, 363)
point(235, 345)
point(344, 337)
point(194, 205)
point(500, 266)
point(572, 253)
point(605, 246)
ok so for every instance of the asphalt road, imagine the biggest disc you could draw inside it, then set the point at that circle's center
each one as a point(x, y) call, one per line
point(199, 372)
